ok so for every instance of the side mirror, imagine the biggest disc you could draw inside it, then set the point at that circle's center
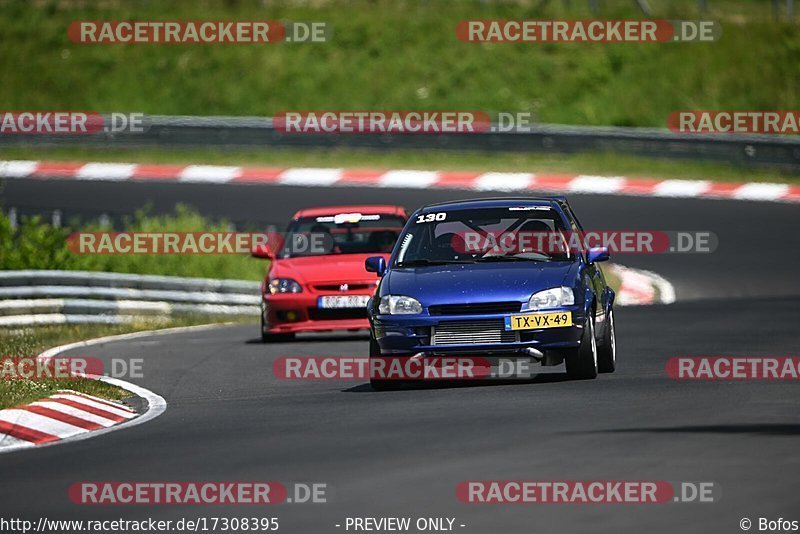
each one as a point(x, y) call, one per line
point(375, 264)
point(263, 252)
point(596, 254)
point(268, 245)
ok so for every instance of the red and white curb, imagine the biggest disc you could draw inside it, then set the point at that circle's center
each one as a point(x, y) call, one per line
point(62, 415)
point(25, 427)
point(417, 179)
point(639, 287)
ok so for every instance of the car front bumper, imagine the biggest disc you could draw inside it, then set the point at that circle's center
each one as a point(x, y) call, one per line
point(298, 312)
point(399, 335)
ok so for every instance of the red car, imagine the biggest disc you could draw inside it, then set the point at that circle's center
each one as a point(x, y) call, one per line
point(316, 280)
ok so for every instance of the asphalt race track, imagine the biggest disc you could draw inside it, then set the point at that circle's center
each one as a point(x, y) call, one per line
point(403, 453)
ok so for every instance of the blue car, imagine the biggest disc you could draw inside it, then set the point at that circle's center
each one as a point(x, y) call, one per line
point(494, 277)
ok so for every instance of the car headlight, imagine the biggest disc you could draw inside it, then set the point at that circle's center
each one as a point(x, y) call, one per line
point(284, 285)
point(398, 305)
point(552, 298)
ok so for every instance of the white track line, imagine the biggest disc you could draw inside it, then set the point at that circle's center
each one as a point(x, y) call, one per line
point(596, 184)
point(681, 188)
point(11, 443)
point(17, 168)
point(412, 179)
point(503, 181)
point(310, 177)
point(212, 174)
point(761, 191)
point(106, 171)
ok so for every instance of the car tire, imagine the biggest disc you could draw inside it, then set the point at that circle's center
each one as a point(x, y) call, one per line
point(582, 362)
point(267, 337)
point(377, 383)
point(607, 351)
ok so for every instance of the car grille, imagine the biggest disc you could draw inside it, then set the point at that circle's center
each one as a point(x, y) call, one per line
point(472, 332)
point(334, 314)
point(475, 309)
point(337, 287)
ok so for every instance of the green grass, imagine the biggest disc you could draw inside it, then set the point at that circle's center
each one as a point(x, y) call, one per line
point(399, 54)
point(29, 342)
point(601, 164)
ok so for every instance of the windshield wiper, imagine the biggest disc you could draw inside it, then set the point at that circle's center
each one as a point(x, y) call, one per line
point(487, 259)
point(424, 261)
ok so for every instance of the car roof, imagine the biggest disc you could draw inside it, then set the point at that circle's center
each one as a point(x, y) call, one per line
point(496, 202)
point(334, 210)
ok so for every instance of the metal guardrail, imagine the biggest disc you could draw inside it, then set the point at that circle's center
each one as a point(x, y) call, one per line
point(124, 280)
point(34, 297)
point(257, 132)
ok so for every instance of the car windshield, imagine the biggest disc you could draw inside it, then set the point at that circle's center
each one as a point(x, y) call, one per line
point(345, 233)
point(510, 234)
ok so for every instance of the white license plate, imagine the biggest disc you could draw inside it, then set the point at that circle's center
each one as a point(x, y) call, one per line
point(343, 301)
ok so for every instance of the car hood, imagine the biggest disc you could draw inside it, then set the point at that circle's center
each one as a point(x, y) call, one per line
point(330, 268)
point(463, 284)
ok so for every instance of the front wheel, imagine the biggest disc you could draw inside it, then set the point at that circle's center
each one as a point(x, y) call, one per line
point(379, 384)
point(267, 337)
point(582, 362)
point(607, 351)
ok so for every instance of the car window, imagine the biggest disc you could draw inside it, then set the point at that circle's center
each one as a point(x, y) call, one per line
point(331, 234)
point(524, 233)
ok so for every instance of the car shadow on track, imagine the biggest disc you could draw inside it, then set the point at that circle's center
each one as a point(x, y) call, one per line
point(545, 378)
point(766, 429)
point(314, 338)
